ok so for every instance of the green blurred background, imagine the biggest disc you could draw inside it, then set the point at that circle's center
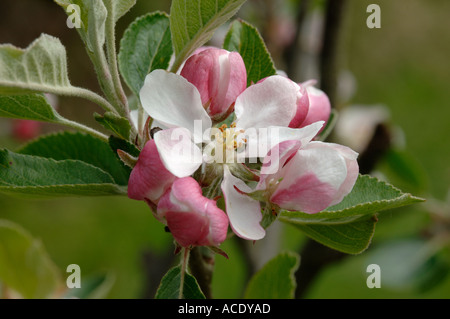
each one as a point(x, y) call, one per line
point(404, 66)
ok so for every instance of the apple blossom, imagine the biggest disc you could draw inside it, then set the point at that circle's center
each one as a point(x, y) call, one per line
point(219, 76)
point(266, 108)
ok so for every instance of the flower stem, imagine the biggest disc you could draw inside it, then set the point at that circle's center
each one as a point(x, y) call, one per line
point(113, 66)
point(82, 128)
point(93, 97)
point(202, 267)
point(184, 263)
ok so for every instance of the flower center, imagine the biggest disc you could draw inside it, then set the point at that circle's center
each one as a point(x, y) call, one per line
point(227, 142)
point(227, 137)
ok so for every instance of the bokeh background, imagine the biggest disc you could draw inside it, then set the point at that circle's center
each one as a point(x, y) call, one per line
point(402, 67)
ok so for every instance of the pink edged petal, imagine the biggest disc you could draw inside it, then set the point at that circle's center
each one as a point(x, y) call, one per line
point(197, 71)
point(275, 161)
point(193, 219)
point(188, 228)
point(311, 180)
point(272, 102)
point(231, 83)
point(303, 105)
point(319, 106)
point(188, 192)
point(243, 212)
point(304, 134)
point(350, 157)
point(260, 141)
point(171, 100)
point(149, 179)
point(308, 194)
point(178, 153)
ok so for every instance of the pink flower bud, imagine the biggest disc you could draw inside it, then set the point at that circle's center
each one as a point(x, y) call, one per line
point(319, 105)
point(149, 179)
point(26, 129)
point(193, 219)
point(220, 76)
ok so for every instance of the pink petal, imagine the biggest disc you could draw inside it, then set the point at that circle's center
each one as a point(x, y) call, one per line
point(303, 106)
point(319, 106)
point(149, 179)
point(308, 194)
point(350, 157)
point(272, 102)
point(275, 161)
point(312, 179)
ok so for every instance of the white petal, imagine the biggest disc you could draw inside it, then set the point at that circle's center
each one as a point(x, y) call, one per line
point(243, 212)
point(172, 100)
point(180, 156)
point(260, 141)
point(327, 164)
point(272, 102)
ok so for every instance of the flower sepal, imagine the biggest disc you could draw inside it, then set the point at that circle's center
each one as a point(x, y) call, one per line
point(269, 214)
point(243, 172)
point(127, 159)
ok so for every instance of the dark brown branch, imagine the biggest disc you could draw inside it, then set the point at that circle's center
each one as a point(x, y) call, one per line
point(291, 53)
point(329, 56)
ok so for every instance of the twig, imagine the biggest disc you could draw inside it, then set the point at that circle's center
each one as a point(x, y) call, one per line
point(291, 53)
point(201, 264)
point(329, 56)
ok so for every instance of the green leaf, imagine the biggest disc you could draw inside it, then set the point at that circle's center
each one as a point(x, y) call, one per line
point(276, 279)
point(120, 144)
point(25, 266)
point(92, 16)
point(245, 39)
point(169, 287)
point(146, 45)
point(193, 23)
point(81, 147)
point(41, 67)
point(350, 238)
point(28, 107)
point(368, 197)
point(38, 176)
point(349, 225)
point(118, 8)
point(115, 123)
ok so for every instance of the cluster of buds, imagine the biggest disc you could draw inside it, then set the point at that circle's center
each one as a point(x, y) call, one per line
point(254, 147)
